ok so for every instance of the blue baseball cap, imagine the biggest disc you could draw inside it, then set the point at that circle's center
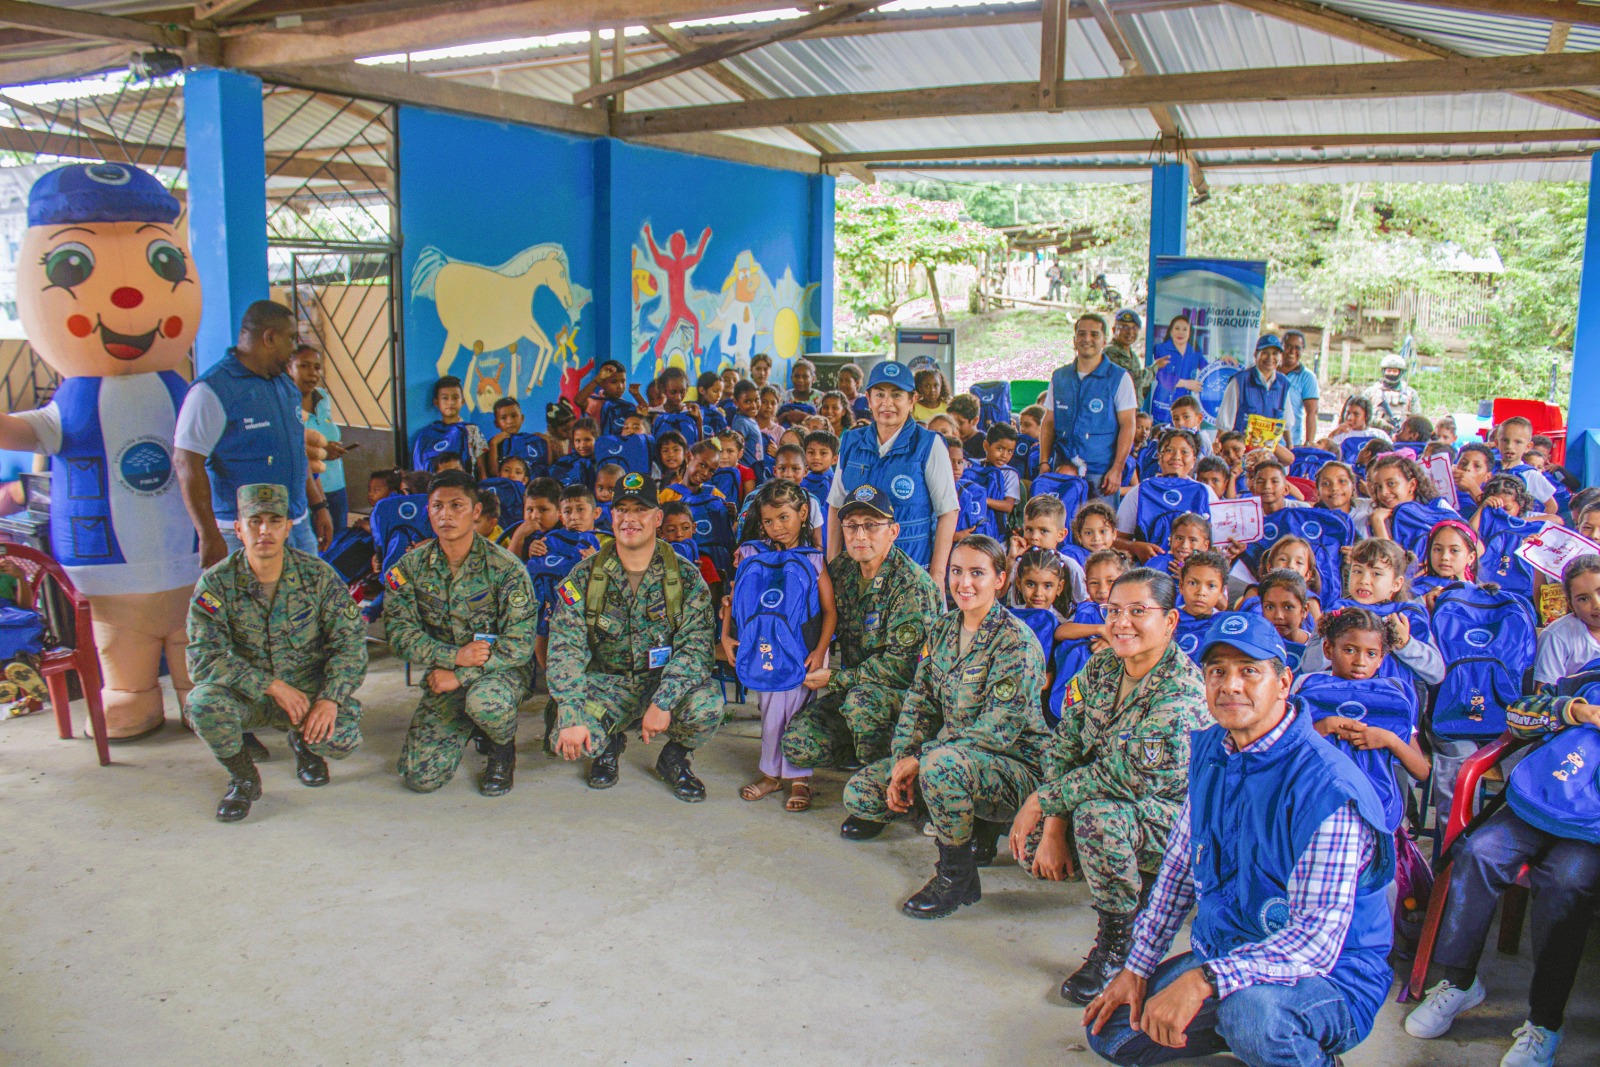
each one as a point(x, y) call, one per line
point(99, 192)
point(891, 373)
point(1269, 340)
point(1246, 632)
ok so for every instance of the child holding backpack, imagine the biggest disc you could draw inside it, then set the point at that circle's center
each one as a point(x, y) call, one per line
point(1378, 582)
point(448, 433)
point(782, 603)
point(1284, 601)
point(1041, 578)
point(1450, 555)
point(1085, 633)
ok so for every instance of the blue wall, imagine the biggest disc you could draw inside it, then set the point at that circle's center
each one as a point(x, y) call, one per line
point(485, 193)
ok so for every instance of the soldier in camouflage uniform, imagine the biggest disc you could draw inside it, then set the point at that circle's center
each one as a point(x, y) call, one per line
point(968, 745)
point(885, 605)
point(1124, 351)
point(274, 640)
point(630, 642)
point(462, 608)
point(1117, 773)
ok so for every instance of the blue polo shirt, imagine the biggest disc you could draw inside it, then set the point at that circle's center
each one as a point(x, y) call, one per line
point(1302, 387)
point(249, 429)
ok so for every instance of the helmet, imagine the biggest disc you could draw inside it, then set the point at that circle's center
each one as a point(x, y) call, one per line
point(1393, 362)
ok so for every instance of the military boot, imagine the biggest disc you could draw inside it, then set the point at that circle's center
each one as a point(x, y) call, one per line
point(257, 750)
point(244, 787)
point(955, 882)
point(499, 771)
point(309, 767)
point(986, 840)
point(856, 828)
point(673, 767)
point(1109, 955)
point(603, 768)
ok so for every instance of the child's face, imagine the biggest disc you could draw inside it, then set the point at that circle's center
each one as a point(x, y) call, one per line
point(673, 392)
point(769, 406)
point(1445, 432)
point(1099, 579)
point(1586, 600)
point(1186, 540)
point(711, 392)
point(377, 489)
point(849, 384)
point(958, 461)
point(1355, 416)
point(759, 371)
point(964, 425)
point(1449, 555)
point(604, 486)
point(943, 425)
point(928, 390)
point(802, 378)
point(1514, 441)
point(780, 524)
point(1177, 458)
point(729, 456)
point(1285, 611)
point(448, 401)
point(614, 384)
point(1535, 458)
point(749, 403)
point(702, 465)
point(1142, 425)
point(1335, 489)
point(1044, 531)
point(1095, 533)
point(730, 378)
point(583, 443)
point(652, 393)
point(1029, 425)
point(1233, 452)
point(818, 458)
point(1291, 557)
point(447, 463)
point(484, 525)
point(633, 426)
point(831, 409)
point(1589, 524)
point(514, 469)
point(543, 513)
point(789, 468)
point(999, 453)
point(1216, 480)
point(1355, 654)
point(1186, 418)
point(672, 456)
point(1269, 485)
point(509, 419)
point(578, 515)
point(1373, 583)
point(675, 528)
point(1505, 502)
point(1038, 588)
point(1390, 487)
point(1205, 591)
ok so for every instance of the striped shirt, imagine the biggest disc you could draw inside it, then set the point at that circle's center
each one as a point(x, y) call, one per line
point(1322, 899)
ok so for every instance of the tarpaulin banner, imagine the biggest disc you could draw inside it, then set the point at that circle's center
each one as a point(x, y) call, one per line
point(1205, 316)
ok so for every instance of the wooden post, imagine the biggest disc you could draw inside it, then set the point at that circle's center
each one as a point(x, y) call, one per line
point(619, 61)
point(1344, 361)
point(933, 288)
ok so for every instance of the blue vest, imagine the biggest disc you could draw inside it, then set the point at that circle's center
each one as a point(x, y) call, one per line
point(1258, 399)
point(1086, 416)
point(1250, 817)
point(1162, 499)
point(901, 473)
point(264, 440)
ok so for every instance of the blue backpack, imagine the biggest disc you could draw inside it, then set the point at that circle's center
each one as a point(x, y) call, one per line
point(777, 617)
point(974, 505)
point(1502, 535)
point(1308, 461)
point(1191, 631)
point(687, 551)
point(992, 481)
point(1148, 460)
point(994, 403)
point(712, 419)
point(532, 449)
point(21, 631)
point(573, 469)
point(633, 454)
point(509, 493)
point(726, 481)
point(398, 522)
point(350, 554)
point(551, 569)
point(713, 530)
point(1070, 657)
point(437, 439)
point(1326, 531)
point(1411, 522)
point(1388, 703)
point(1043, 622)
point(817, 483)
point(1555, 787)
point(614, 415)
point(1070, 489)
point(1487, 642)
point(676, 422)
point(1025, 459)
point(1162, 499)
point(1350, 448)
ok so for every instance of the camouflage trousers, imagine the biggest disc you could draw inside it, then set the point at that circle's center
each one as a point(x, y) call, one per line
point(955, 785)
point(221, 715)
point(444, 723)
point(1114, 840)
point(842, 726)
point(619, 701)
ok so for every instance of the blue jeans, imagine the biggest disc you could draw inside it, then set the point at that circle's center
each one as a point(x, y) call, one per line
point(1300, 1025)
point(301, 536)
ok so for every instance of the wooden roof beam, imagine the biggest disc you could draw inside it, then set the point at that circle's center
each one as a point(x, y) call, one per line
point(213, 11)
point(88, 25)
point(74, 64)
point(1552, 156)
point(1568, 11)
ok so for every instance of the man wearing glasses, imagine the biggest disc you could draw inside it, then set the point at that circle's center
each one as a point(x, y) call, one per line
point(885, 605)
point(461, 608)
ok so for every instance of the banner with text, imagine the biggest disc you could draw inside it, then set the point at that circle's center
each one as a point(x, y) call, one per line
point(1220, 301)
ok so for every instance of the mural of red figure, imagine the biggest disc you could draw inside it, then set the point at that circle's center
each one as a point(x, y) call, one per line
point(677, 267)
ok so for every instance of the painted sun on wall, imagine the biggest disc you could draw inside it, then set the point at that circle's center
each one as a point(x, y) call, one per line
point(676, 324)
point(514, 320)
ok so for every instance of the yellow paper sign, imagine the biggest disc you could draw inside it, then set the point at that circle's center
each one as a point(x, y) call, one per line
point(1260, 431)
point(1552, 603)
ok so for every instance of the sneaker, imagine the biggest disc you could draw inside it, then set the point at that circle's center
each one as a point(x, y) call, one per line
point(1441, 1006)
point(1532, 1046)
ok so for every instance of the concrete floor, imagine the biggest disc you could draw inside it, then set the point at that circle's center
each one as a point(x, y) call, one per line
point(363, 924)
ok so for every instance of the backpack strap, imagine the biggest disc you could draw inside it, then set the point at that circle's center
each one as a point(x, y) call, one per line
point(594, 594)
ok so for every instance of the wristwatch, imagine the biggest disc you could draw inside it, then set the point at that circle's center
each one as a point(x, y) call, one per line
point(1210, 976)
point(321, 505)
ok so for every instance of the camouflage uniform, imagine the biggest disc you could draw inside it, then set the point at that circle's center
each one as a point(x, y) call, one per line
point(883, 626)
point(604, 679)
point(1120, 775)
point(309, 635)
point(975, 725)
point(429, 614)
point(1132, 362)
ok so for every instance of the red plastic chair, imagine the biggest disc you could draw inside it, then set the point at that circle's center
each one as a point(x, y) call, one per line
point(1515, 902)
point(56, 661)
point(1547, 419)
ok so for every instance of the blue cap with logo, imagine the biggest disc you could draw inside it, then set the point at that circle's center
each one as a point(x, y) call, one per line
point(1246, 632)
point(1128, 315)
point(891, 373)
point(1269, 340)
point(99, 192)
point(867, 498)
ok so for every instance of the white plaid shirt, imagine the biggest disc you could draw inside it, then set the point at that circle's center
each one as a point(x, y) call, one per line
point(1322, 899)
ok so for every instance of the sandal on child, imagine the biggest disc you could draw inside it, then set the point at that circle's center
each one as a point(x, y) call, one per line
point(764, 786)
point(799, 796)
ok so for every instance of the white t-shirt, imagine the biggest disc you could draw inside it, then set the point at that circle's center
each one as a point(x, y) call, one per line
point(941, 480)
point(1539, 486)
point(1128, 509)
point(1564, 647)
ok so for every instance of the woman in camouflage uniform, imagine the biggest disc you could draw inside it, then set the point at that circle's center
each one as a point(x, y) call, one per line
point(1118, 771)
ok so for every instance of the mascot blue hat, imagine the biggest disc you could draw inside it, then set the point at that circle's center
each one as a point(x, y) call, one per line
point(99, 192)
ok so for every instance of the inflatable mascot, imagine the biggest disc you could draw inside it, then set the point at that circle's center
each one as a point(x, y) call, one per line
point(108, 297)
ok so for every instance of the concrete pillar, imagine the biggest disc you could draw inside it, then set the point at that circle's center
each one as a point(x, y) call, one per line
point(1583, 405)
point(1169, 224)
point(821, 257)
point(225, 143)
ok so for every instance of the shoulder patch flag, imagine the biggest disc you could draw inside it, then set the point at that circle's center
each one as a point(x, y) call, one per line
point(569, 593)
point(394, 579)
point(208, 603)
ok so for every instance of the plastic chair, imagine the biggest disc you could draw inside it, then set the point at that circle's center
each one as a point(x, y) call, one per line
point(1513, 904)
point(1547, 419)
point(57, 659)
point(1307, 487)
